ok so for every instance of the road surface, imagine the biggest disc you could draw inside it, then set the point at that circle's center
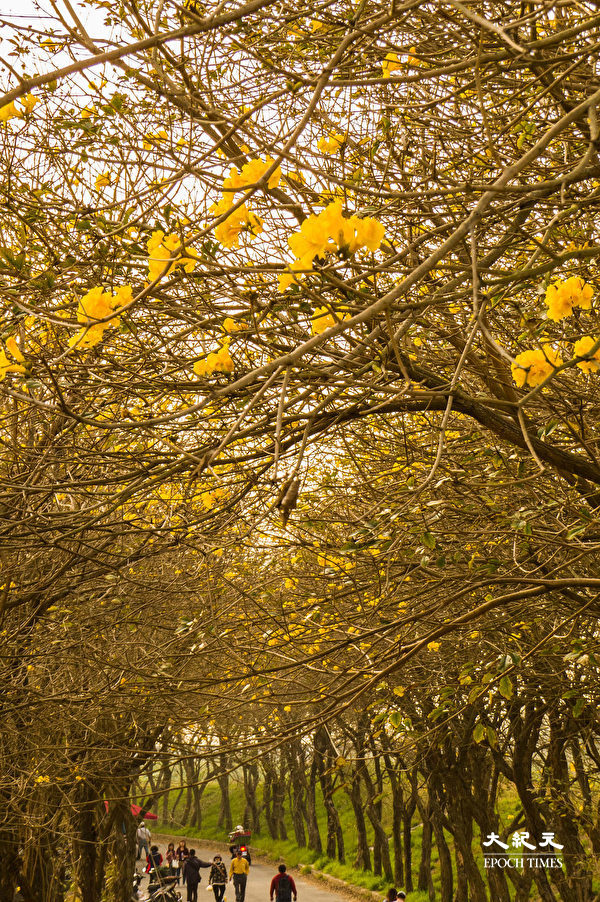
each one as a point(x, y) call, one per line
point(259, 878)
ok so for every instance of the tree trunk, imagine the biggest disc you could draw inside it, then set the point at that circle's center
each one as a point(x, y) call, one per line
point(297, 791)
point(425, 882)
point(279, 806)
point(446, 878)
point(84, 851)
point(122, 853)
point(251, 809)
point(267, 800)
point(324, 758)
point(381, 846)
point(225, 821)
point(395, 778)
point(363, 855)
point(462, 885)
point(165, 785)
point(312, 826)
point(407, 819)
point(189, 776)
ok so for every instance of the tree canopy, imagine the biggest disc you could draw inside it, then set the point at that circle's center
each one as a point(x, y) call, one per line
point(299, 408)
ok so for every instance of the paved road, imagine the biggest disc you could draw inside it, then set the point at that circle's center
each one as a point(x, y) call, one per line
point(259, 878)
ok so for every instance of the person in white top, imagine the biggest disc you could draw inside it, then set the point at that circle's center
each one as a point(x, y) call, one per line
point(143, 839)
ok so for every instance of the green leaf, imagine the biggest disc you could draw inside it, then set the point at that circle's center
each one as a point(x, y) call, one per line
point(428, 540)
point(479, 732)
point(491, 737)
point(505, 687)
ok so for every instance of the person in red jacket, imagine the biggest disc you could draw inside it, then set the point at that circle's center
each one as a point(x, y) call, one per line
point(283, 886)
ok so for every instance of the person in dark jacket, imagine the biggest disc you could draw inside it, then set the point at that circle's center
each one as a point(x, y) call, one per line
point(153, 860)
point(217, 878)
point(181, 853)
point(191, 875)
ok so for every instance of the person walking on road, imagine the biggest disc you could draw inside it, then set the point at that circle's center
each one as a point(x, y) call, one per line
point(143, 838)
point(217, 877)
point(171, 858)
point(153, 861)
point(181, 854)
point(283, 886)
point(238, 872)
point(191, 874)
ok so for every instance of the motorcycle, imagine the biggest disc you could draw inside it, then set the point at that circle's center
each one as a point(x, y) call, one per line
point(135, 891)
point(239, 839)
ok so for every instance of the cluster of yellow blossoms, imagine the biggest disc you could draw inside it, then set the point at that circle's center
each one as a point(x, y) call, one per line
point(329, 231)
point(217, 362)
point(533, 367)
point(390, 64)
point(7, 365)
point(251, 173)
point(161, 248)
point(583, 347)
point(212, 497)
point(11, 111)
point(331, 144)
point(322, 319)
point(231, 325)
point(241, 219)
point(562, 296)
point(103, 180)
point(151, 140)
point(99, 304)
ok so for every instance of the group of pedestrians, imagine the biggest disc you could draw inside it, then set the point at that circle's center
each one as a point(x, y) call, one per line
point(218, 877)
point(184, 865)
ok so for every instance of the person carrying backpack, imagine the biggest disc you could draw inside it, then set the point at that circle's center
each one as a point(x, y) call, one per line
point(283, 886)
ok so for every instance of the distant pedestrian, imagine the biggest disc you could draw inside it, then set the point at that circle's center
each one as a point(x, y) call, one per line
point(283, 886)
point(171, 858)
point(217, 877)
point(191, 874)
point(143, 839)
point(153, 861)
point(182, 853)
point(238, 872)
